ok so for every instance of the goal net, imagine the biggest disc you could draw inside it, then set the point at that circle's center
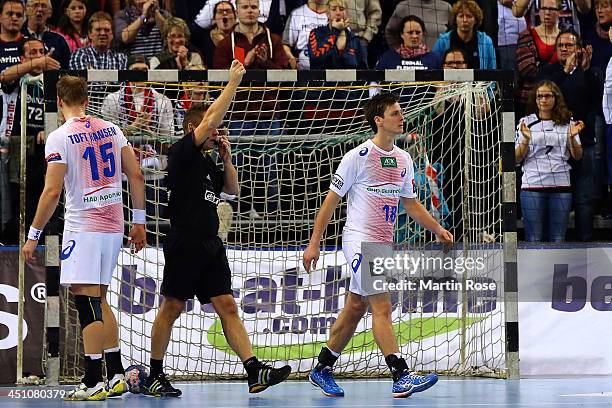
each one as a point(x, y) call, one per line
point(287, 139)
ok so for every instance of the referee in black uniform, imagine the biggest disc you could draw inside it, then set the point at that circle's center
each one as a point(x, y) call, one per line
point(196, 263)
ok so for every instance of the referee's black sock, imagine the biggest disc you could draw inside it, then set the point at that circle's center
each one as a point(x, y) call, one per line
point(397, 365)
point(252, 366)
point(112, 357)
point(327, 358)
point(93, 370)
point(157, 367)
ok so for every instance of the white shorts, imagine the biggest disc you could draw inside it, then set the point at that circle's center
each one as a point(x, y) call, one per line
point(89, 257)
point(362, 285)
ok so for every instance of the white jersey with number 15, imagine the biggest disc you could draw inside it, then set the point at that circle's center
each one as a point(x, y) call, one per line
point(91, 149)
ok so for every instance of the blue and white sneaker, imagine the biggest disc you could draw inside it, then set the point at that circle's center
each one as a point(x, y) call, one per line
point(324, 379)
point(409, 383)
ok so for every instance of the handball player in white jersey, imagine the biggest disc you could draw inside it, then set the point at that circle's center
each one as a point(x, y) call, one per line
point(86, 157)
point(376, 175)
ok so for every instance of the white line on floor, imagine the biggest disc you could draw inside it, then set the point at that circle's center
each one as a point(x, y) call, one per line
point(592, 394)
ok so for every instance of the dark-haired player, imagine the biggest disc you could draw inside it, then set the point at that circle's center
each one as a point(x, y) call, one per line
point(375, 174)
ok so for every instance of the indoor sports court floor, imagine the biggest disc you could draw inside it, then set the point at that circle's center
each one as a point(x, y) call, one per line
point(449, 392)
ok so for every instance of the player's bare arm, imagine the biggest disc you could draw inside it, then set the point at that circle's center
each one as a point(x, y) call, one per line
point(312, 252)
point(131, 169)
point(54, 182)
point(417, 212)
point(215, 114)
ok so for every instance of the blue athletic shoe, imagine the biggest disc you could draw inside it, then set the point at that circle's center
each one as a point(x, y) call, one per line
point(409, 383)
point(324, 379)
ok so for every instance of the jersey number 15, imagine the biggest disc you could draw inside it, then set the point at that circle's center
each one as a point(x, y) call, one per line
point(107, 156)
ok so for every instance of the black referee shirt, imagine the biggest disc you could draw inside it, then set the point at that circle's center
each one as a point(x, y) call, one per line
point(194, 186)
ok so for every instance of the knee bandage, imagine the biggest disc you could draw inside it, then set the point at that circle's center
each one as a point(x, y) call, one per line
point(89, 309)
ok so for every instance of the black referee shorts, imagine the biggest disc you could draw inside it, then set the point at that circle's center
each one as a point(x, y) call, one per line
point(195, 267)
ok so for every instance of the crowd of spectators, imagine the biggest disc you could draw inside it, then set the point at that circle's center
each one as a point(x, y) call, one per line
point(565, 42)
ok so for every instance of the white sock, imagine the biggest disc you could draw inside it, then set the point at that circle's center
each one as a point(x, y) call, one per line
point(112, 350)
point(333, 352)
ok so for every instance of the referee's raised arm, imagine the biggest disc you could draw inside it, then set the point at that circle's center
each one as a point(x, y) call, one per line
point(215, 114)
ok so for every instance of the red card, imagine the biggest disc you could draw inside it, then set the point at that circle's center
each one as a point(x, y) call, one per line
point(239, 54)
